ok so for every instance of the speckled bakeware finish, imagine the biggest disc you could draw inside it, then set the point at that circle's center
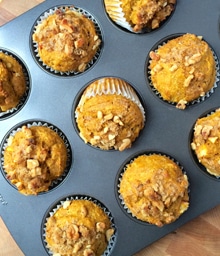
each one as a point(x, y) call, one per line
point(94, 172)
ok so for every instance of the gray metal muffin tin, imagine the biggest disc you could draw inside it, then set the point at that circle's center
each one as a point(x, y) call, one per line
point(94, 172)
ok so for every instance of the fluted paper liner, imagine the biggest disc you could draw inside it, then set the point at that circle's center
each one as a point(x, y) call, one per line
point(110, 85)
point(115, 12)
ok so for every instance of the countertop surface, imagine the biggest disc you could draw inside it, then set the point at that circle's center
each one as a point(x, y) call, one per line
point(200, 236)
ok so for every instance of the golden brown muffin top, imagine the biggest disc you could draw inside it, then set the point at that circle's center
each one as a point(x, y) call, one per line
point(33, 158)
point(106, 119)
point(12, 82)
point(78, 228)
point(154, 189)
point(206, 142)
point(183, 69)
point(69, 34)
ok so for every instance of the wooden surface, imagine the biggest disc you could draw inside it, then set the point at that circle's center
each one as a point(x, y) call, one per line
point(7, 244)
point(199, 237)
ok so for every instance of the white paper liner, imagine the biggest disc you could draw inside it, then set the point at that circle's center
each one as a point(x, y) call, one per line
point(112, 240)
point(24, 97)
point(201, 98)
point(44, 16)
point(110, 85)
point(121, 200)
point(52, 127)
point(114, 10)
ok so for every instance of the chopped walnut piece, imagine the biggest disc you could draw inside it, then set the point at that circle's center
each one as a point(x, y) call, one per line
point(154, 56)
point(188, 80)
point(181, 104)
point(193, 59)
point(206, 131)
point(109, 234)
point(32, 163)
point(174, 67)
point(100, 227)
point(99, 114)
point(88, 252)
point(125, 144)
point(108, 117)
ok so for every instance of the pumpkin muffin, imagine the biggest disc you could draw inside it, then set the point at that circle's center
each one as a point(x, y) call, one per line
point(183, 69)
point(109, 114)
point(67, 40)
point(78, 228)
point(139, 15)
point(34, 158)
point(206, 142)
point(154, 189)
point(12, 82)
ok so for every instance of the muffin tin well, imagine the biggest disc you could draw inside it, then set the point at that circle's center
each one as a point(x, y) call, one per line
point(34, 45)
point(55, 206)
point(30, 123)
point(52, 99)
point(201, 98)
point(119, 176)
point(126, 92)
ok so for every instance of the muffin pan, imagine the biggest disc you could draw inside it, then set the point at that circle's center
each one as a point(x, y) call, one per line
point(94, 172)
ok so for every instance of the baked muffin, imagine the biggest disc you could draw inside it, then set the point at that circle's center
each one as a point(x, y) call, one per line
point(206, 142)
point(109, 114)
point(183, 69)
point(67, 40)
point(138, 16)
point(155, 190)
point(12, 82)
point(78, 228)
point(34, 158)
